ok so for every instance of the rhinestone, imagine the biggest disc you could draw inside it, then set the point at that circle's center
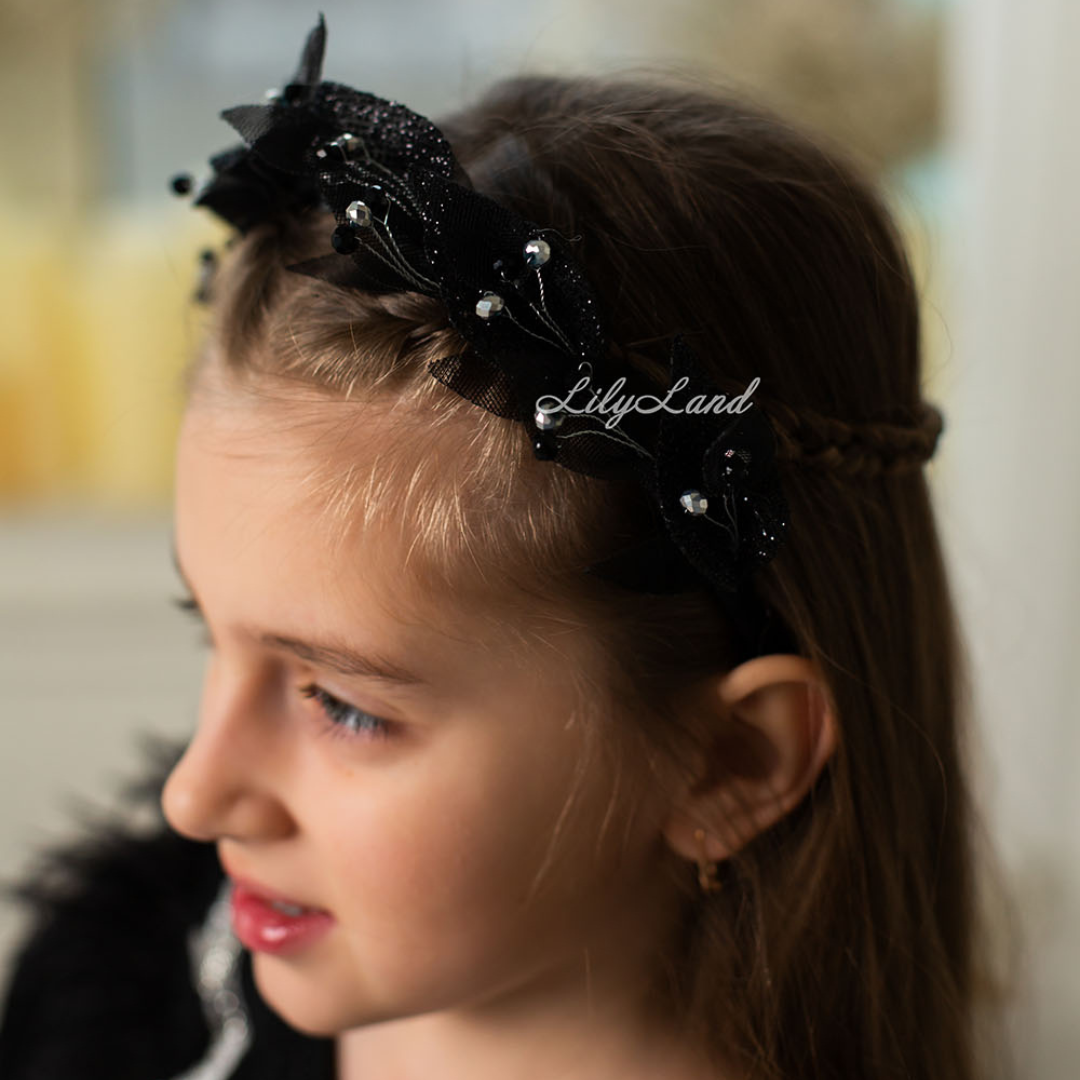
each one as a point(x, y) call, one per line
point(228, 1001)
point(358, 213)
point(272, 94)
point(694, 502)
point(489, 304)
point(537, 252)
point(548, 421)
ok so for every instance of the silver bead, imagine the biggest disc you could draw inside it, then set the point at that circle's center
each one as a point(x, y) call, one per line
point(358, 213)
point(272, 94)
point(489, 304)
point(537, 252)
point(694, 502)
point(548, 421)
point(347, 143)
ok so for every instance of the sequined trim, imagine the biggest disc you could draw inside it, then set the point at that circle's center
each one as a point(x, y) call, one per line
point(215, 953)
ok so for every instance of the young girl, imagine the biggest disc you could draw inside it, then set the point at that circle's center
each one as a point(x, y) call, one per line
point(645, 766)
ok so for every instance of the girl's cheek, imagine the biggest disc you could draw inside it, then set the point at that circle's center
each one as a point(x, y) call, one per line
point(417, 858)
point(386, 853)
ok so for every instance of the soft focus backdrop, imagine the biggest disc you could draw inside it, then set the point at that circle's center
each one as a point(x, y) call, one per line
point(961, 109)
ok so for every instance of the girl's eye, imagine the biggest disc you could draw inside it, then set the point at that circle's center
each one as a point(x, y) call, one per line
point(189, 604)
point(342, 719)
point(346, 720)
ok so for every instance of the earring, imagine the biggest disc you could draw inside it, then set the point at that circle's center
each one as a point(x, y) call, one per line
point(707, 869)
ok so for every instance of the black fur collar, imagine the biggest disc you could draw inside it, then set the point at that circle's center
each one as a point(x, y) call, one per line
point(101, 987)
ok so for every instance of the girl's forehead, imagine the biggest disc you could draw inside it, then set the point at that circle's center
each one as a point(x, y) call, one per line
point(296, 517)
point(385, 500)
point(319, 447)
point(267, 484)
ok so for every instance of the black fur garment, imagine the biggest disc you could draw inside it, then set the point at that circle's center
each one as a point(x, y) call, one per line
point(101, 987)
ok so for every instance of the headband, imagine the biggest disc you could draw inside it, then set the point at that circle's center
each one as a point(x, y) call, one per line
point(409, 220)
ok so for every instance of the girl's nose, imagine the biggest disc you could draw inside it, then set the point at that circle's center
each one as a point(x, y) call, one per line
point(230, 780)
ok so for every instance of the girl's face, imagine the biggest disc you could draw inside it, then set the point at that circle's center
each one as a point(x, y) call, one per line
point(417, 811)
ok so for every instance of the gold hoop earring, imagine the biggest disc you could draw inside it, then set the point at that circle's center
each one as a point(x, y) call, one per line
point(707, 869)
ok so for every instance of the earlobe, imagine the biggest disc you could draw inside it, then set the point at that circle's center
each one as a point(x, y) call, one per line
point(775, 731)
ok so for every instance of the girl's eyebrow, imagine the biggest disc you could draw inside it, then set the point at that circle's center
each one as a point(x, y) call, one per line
point(333, 654)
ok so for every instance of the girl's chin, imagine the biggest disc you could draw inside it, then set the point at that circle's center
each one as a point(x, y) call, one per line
point(302, 996)
point(311, 1000)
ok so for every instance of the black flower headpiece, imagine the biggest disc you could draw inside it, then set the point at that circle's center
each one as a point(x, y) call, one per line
point(409, 220)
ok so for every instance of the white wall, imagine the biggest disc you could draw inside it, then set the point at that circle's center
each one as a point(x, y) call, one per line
point(92, 652)
point(1010, 493)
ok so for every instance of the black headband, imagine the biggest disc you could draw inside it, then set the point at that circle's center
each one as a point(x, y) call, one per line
point(409, 220)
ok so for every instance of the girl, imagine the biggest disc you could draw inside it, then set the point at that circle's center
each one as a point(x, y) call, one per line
point(507, 769)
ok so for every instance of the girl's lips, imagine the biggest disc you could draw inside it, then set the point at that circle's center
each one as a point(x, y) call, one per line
point(261, 926)
point(267, 893)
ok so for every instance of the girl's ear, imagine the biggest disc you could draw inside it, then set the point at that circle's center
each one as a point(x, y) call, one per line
point(775, 731)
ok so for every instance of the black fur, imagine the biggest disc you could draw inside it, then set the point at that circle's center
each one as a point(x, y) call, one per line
point(100, 988)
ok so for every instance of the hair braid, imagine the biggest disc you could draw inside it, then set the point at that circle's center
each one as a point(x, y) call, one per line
point(809, 438)
point(855, 449)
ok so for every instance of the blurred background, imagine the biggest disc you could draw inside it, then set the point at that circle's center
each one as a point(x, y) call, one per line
point(963, 109)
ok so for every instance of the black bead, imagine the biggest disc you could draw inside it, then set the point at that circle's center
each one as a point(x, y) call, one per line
point(376, 201)
point(295, 92)
point(207, 272)
point(510, 268)
point(544, 446)
point(344, 239)
point(331, 154)
point(181, 184)
point(736, 467)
